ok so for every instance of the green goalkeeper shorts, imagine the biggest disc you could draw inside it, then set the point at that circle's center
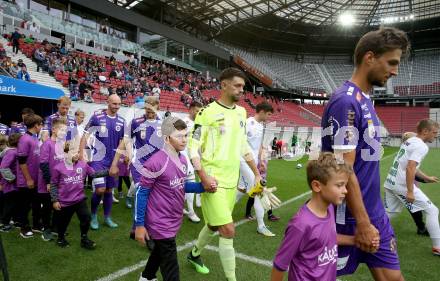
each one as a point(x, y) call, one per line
point(217, 207)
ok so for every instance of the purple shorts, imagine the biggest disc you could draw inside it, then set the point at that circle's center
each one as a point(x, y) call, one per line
point(349, 257)
point(104, 182)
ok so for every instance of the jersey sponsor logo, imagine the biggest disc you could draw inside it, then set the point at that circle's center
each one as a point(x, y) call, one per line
point(328, 256)
point(197, 133)
point(177, 182)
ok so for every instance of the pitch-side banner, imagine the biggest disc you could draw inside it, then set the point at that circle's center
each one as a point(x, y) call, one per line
point(252, 70)
point(15, 87)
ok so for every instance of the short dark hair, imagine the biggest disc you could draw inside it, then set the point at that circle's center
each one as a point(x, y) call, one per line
point(32, 119)
point(381, 41)
point(179, 125)
point(13, 139)
point(320, 169)
point(231, 72)
point(426, 124)
point(27, 110)
point(264, 106)
point(195, 103)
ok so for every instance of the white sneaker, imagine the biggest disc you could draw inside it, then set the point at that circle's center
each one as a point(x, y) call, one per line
point(185, 212)
point(264, 231)
point(115, 200)
point(145, 279)
point(194, 218)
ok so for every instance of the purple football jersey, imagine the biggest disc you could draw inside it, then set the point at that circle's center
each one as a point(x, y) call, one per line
point(147, 140)
point(20, 128)
point(350, 122)
point(70, 181)
point(309, 249)
point(52, 153)
point(9, 161)
point(165, 203)
point(4, 130)
point(108, 132)
point(71, 125)
point(28, 146)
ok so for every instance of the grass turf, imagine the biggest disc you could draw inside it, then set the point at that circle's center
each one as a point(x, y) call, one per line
point(33, 259)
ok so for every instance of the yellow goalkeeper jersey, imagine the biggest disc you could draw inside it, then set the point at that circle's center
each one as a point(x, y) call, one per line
point(219, 139)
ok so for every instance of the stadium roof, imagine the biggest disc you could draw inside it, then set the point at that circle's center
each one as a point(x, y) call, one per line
point(220, 14)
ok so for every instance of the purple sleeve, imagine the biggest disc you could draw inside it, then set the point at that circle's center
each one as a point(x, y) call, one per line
point(7, 160)
point(89, 170)
point(150, 171)
point(289, 248)
point(92, 122)
point(23, 147)
point(132, 128)
point(344, 121)
point(45, 152)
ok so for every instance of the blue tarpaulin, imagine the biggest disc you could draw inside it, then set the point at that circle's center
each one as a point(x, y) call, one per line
point(15, 87)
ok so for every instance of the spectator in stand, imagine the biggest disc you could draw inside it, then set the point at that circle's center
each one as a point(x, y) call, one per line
point(73, 81)
point(156, 90)
point(81, 72)
point(20, 63)
point(29, 40)
point(63, 42)
point(2, 52)
point(15, 38)
point(84, 89)
point(103, 90)
point(34, 28)
point(14, 69)
point(40, 59)
point(24, 75)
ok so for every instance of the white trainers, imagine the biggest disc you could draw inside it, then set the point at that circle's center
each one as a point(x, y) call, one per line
point(145, 279)
point(185, 212)
point(193, 217)
point(265, 231)
point(115, 200)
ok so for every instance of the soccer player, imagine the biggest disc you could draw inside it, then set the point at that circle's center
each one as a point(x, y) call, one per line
point(21, 127)
point(51, 154)
point(400, 189)
point(63, 105)
point(28, 152)
point(145, 140)
point(68, 197)
point(4, 130)
point(309, 249)
point(254, 133)
point(107, 127)
point(217, 143)
point(194, 108)
point(8, 170)
point(160, 199)
point(351, 129)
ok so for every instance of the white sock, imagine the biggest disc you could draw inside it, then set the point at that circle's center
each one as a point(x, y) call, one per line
point(259, 212)
point(433, 226)
point(239, 196)
point(190, 202)
point(392, 215)
point(198, 199)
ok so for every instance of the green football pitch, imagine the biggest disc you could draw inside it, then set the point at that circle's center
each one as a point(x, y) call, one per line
point(119, 258)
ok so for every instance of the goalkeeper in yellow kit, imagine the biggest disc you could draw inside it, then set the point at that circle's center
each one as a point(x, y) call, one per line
point(216, 144)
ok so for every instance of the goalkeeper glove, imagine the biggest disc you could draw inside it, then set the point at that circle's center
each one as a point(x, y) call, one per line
point(268, 199)
point(257, 188)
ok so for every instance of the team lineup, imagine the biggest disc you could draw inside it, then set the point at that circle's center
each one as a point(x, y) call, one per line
point(215, 157)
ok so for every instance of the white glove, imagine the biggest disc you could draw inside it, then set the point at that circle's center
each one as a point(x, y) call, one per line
point(268, 199)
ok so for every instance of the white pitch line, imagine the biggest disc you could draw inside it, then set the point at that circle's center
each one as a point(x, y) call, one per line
point(251, 259)
point(126, 270)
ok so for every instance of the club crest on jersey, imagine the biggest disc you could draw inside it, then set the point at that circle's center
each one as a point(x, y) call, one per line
point(72, 125)
point(184, 169)
point(143, 134)
point(79, 170)
point(117, 128)
point(241, 124)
